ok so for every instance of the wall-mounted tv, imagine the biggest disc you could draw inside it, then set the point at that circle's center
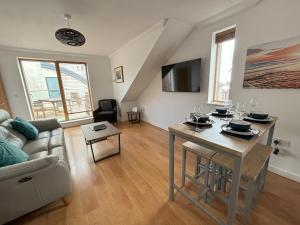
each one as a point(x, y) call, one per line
point(182, 77)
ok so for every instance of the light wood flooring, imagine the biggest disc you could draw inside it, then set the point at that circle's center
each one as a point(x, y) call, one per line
point(132, 188)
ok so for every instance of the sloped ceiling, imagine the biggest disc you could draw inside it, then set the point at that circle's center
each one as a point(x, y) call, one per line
point(173, 35)
point(107, 24)
point(142, 57)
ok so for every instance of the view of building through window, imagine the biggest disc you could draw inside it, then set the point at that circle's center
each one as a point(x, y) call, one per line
point(57, 89)
point(224, 49)
point(222, 84)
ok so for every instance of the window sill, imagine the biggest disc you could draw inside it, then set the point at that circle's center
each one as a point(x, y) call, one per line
point(77, 122)
point(215, 103)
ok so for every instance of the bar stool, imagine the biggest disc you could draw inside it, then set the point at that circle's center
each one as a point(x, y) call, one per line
point(201, 153)
point(252, 179)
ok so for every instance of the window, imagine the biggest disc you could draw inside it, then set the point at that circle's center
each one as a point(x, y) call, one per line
point(221, 65)
point(56, 89)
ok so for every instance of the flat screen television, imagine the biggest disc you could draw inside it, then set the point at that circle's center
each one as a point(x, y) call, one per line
point(182, 77)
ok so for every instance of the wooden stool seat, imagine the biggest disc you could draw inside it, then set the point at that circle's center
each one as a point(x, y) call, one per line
point(253, 162)
point(198, 150)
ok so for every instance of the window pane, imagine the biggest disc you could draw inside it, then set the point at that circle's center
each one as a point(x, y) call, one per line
point(223, 77)
point(43, 89)
point(76, 89)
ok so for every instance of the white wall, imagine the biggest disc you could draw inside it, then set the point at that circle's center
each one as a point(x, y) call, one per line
point(270, 21)
point(98, 68)
point(132, 57)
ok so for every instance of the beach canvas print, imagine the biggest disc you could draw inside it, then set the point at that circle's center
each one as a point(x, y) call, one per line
point(273, 65)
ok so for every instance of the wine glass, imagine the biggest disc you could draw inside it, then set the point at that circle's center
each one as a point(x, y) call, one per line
point(253, 104)
point(197, 115)
point(228, 105)
point(240, 109)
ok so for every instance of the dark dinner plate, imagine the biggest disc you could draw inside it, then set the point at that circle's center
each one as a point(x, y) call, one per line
point(250, 133)
point(240, 125)
point(206, 123)
point(259, 115)
point(221, 110)
point(251, 119)
point(228, 114)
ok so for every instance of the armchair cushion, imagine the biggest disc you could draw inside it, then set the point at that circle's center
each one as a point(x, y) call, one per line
point(25, 128)
point(106, 105)
point(10, 154)
point(105, 113)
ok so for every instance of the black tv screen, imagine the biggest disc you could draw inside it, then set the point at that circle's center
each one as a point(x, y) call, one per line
point(182, 77)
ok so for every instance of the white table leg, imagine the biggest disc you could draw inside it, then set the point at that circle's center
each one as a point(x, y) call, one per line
point(171, 166)
point(270, 135)
point(234, 190)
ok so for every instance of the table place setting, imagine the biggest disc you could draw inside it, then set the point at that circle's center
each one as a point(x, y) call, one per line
point(222, 112)
point(239, 128)
point(258, 117)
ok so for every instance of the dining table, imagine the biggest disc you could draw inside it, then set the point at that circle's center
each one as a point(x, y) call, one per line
point(231, 146)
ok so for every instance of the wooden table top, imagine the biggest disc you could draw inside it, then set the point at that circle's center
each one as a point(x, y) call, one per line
point(91, 135)
point(212, 136)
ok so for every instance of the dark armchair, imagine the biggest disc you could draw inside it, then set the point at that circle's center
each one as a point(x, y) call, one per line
point(107, 111)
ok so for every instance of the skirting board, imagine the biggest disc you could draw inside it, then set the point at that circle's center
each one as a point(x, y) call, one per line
point(284, 173)
point(273, 169)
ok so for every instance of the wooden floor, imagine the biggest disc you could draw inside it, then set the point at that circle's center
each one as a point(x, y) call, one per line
point(132, 188)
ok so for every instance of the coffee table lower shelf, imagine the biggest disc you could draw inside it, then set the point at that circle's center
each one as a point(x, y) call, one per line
point(90, 143)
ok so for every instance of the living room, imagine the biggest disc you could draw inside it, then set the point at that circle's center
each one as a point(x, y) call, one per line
point(122, 55)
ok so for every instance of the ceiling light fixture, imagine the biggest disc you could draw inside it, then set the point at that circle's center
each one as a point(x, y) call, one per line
point(68, 36)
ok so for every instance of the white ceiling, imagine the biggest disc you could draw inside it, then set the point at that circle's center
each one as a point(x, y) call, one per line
point(106, 24)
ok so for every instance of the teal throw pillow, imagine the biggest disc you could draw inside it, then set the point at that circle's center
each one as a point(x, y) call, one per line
point(25, 128)
point(10, 154)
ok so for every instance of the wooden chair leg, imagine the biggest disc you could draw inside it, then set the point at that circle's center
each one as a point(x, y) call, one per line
point(206, 179)
point(65, 201)
point(197, 167)
point(248, 201)
point(212, 183)
point(183, 171)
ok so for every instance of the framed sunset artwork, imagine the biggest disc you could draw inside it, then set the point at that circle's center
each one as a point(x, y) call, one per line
point(273, 65)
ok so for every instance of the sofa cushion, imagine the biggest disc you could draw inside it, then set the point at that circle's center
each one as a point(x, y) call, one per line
point(60, 152)
point(25, 128)
point(8, 126)
point(10, 154)
point(34, 146)
point(57, 131)
point(106, 105)
point(44, 134)
point(38, 155)
point(55, 141)
point(10, 137)
point(4, 115)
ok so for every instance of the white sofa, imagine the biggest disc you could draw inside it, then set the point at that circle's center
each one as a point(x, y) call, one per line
point(44, 178)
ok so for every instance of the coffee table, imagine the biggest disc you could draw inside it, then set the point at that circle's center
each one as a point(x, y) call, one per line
point(92, 137)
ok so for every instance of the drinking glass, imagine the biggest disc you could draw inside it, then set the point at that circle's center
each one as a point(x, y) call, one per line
point(197, 115)
point(253, 103)
point(240, 109)
point(228, 104)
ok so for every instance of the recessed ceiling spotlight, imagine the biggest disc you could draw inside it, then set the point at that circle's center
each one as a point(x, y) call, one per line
point(69, 36)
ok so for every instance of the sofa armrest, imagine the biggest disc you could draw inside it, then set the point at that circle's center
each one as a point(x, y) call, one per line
point(45, 125)
point(24, 168)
